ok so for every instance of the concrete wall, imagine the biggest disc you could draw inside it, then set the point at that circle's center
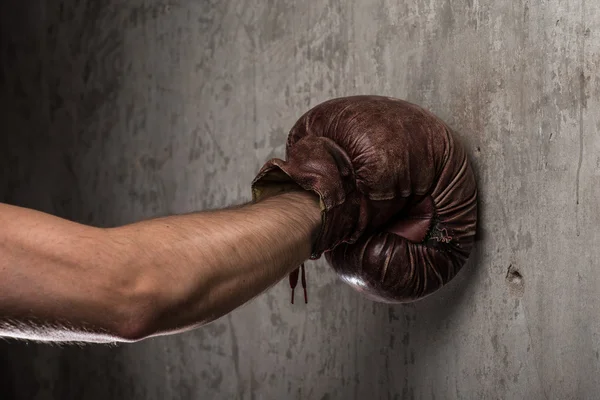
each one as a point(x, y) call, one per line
point(117, 111)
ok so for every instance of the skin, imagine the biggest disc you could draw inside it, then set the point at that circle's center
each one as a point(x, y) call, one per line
point(65, 282)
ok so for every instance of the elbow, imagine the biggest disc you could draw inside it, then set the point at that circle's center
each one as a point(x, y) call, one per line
point(131, 330)
point(141, 323)
point(137, 314)
point(153, 300)
point(132, 292)
point(147, 310)
point(131, 326)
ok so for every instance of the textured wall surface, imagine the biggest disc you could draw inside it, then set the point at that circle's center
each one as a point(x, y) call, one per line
point(114, 111)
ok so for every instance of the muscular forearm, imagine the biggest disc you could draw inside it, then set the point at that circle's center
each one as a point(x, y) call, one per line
point(153, 277)
point(202, 266)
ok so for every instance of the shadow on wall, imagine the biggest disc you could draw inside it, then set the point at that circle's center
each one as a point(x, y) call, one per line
point(58, 67)
point(406, 341)
point(49, 94)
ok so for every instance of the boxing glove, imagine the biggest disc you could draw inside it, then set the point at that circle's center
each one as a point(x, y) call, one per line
point(398, 195)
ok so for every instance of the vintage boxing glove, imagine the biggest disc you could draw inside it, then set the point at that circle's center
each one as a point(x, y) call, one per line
point(398, 196)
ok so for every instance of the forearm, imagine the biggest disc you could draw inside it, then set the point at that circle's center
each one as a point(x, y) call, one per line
point(61, 281)
point(201, 266)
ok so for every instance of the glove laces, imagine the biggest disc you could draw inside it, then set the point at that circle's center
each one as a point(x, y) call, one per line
point(294, 281)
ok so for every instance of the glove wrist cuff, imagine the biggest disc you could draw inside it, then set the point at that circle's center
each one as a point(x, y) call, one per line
point(318, 165)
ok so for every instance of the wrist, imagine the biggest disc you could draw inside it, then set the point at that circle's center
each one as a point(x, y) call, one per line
point(304, 205)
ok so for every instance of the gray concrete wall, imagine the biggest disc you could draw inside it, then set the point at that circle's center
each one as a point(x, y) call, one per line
point(117, 111)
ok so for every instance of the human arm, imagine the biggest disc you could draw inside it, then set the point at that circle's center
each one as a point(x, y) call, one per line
point(62, 281)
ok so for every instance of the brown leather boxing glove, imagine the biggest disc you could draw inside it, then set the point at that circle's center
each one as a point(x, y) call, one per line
point(398, 195)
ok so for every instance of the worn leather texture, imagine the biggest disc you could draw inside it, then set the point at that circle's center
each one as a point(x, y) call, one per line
point(398, 195)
